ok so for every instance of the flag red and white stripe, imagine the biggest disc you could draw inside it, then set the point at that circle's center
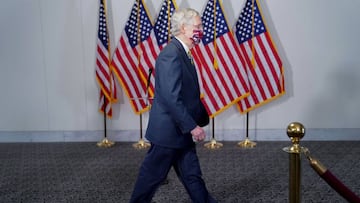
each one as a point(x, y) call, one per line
point(219, 62)
point(103, 70)
point(264, 65)
point(135, 56)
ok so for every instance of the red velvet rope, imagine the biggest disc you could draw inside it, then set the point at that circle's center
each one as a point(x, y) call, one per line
point(340, 188)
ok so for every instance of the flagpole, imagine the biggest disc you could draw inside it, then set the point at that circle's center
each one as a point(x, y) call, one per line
point(105, 142)
point(104, 43)
point(213, 144)
point(141, 144)
point(247, 143)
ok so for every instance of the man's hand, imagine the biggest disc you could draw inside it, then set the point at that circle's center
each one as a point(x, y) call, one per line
point(198, 134)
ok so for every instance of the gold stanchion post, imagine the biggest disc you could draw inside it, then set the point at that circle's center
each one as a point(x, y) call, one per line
point(295, 132)
point(141, 144)
point(213, 144)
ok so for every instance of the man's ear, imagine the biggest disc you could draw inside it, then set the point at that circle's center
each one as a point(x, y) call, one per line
point(183, 28)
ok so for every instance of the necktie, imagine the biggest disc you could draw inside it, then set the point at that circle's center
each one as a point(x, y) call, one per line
point(190, 57)
point(193, 69)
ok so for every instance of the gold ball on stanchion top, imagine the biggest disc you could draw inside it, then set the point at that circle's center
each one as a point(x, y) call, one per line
point(296, 130)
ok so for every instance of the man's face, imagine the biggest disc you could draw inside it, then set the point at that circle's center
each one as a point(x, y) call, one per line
point(193, 31)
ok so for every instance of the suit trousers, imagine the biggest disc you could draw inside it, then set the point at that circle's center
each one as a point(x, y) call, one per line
point(157, 164)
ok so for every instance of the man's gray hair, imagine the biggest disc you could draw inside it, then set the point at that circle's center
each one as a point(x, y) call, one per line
point(180, 17)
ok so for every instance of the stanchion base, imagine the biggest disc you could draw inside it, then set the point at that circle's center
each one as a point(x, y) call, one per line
point(247, 143)
point(141, 144)
point(297, 149)
point(213, 144)
point(105, 143)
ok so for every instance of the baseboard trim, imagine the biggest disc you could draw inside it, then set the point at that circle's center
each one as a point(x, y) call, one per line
point(334, 134)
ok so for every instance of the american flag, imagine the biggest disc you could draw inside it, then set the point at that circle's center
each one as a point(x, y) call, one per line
point(218, 59)
point(103, 71)
point(162, 23)
point(134, 57)
point(265, 69)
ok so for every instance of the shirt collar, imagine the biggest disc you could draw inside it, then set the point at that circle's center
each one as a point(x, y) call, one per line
point(184, 45)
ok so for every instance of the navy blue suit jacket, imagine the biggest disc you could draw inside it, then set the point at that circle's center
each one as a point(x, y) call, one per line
point(176, 108)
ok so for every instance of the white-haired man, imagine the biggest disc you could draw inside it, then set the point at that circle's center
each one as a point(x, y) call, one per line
point(176, 117)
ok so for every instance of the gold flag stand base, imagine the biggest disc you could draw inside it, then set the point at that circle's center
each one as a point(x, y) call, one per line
point(213, 144)
point(105, 143)
point(141, 144)
point(247, 143)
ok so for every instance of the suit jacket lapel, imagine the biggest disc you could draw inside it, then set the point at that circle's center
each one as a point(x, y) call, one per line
point(185, 57)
